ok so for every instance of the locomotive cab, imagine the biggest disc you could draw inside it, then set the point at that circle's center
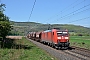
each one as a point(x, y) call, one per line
point(63, 39)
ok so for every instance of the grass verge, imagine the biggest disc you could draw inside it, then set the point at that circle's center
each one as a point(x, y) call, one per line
point(80, 41)
point(23, 50)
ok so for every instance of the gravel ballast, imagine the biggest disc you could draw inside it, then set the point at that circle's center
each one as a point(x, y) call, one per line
point(56, 53)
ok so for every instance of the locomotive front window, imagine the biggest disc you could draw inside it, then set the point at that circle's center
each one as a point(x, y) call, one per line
point(62, 33)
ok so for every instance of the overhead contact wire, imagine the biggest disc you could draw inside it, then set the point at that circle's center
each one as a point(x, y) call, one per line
point(32, 10)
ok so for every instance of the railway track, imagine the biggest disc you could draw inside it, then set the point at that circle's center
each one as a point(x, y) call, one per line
point(77, 55)
point(81, 51)
point(70, 54)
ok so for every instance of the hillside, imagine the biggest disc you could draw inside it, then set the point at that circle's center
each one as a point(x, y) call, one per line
point(22, 28)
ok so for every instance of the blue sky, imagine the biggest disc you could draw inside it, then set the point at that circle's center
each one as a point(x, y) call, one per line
point(75, 12)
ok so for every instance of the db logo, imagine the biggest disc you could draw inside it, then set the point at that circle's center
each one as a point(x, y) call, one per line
point(62, 37)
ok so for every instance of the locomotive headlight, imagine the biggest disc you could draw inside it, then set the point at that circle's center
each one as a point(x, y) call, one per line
point(59, 37)
point(66, 37)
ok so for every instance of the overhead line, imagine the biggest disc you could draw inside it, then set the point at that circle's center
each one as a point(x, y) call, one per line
point(65, 9)
point(76, 10)
point(79, 19)
point(63, 17)
point(32, 10)
point(69, 6)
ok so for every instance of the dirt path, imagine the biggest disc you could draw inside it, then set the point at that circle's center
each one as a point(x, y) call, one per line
point(14, 37)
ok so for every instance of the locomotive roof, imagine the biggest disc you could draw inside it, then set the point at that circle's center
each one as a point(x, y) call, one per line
point(54, 30)
point(47, 31)
point(61, 30)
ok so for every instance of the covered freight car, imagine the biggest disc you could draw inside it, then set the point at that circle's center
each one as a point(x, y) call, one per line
point(38, 36)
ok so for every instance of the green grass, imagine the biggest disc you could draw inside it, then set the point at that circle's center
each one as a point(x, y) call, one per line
point(23, 50)
point(80, 41)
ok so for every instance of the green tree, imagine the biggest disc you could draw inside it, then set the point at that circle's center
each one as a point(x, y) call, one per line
point(5, 25)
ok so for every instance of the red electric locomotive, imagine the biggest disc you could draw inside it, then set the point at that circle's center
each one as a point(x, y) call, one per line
point(56, 38)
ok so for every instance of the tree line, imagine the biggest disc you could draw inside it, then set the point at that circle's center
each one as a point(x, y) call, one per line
point(5, 25)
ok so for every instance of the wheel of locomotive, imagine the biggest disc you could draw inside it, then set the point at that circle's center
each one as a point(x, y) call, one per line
point(66, 47)
point(43, 42)
point(63, 48)
point(48, 44)
point(56, 47)
point(53, 45)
